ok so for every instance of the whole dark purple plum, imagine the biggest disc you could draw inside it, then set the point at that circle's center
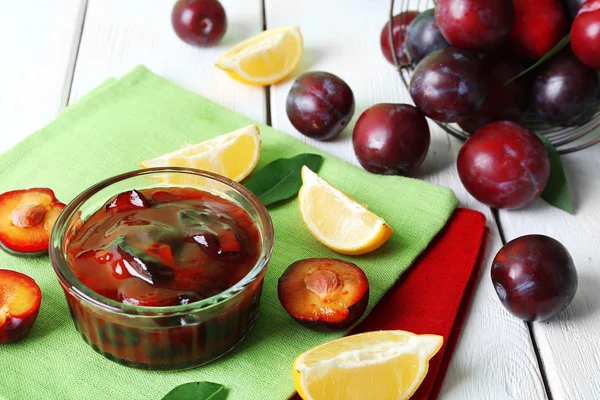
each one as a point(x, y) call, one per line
point(504, 102)
point(534, 277)
point(574, 6)
point(320, 105)
point(401, 22)
point(504, 165)
point(199, 22)
point(565, 93)
point(391, 139)
point(424, 36)
point(449, 85)
point(475, 25)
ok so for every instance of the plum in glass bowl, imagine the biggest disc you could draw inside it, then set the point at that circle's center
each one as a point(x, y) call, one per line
point(470, 111)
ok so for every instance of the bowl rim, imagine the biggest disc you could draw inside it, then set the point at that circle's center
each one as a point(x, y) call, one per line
point(71, 283)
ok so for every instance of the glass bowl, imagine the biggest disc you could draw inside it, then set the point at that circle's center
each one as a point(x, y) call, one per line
point(162, 338)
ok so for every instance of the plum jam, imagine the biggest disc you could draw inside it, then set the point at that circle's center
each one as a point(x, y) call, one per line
point(165, 278)
point(164, 248)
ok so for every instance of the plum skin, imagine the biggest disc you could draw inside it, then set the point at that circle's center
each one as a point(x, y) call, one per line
point(475, 25)
point(320, 105)
point(391, 139)
point(574, 6)
point(565, 93)
point(534, 277)
point(549, 17)
point(424, 37)
point(17, 328)
point(585, 34)
point(449, 85)
point(399, 30)
point(504, 165)
point(199, 22)
point(12, 327)
point(504, 102)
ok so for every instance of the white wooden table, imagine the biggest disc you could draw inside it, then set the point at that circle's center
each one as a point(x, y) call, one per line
point(55, 52)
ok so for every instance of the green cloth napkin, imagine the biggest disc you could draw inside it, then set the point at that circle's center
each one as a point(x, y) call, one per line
point(140, 117)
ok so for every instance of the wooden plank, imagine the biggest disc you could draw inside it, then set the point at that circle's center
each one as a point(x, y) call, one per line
point(495, 356)
point(570, 344)
point(118, 35)
point(39, 44)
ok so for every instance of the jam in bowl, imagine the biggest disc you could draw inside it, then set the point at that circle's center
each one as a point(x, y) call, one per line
point(163, 268)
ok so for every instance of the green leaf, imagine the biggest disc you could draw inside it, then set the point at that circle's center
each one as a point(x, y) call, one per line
point(198, 391)
point(194, 221)
point(551, 53)
point(282, 178)
point(556, 192)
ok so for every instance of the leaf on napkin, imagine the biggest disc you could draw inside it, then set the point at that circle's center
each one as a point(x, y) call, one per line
point(551, 53)
point(282, 178)
point(556, 192)
point(198, 391)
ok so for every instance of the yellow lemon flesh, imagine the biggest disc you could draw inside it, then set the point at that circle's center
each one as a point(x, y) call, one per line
point(233, 155)
point(265, 58)
point(336, 220)
point(384, 365)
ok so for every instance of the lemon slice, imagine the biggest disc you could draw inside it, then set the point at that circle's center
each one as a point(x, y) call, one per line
point(384, 365)
point(265, 58)
point(336, 220)
point(233, 155)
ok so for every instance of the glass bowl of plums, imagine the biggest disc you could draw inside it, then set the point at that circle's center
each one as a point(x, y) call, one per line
point(162, 268)
point(469, 63)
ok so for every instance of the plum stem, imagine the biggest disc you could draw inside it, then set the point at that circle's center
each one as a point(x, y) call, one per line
point(28, 215)
point(322, 283)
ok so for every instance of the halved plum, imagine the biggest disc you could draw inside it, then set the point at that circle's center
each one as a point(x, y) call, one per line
point(26, 220)
point(128, 201)
point(20, 299)
point(324, 293)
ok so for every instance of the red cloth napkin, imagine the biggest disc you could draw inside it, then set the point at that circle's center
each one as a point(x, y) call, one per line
point(433, 296)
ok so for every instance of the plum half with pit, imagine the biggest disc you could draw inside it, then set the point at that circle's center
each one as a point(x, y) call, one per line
point(565, 93)
point(504, 101)
point(534, 277)
point(504, 165)
point(199, 22)
point(320, 105)
point(449, 85)
point(20, 299)
point(399, 29)
point(26, 220)
point(539, 25)
point(324, 293)
point(476, 25)
point(391, 139)
point(424, 36)
point(585, 34)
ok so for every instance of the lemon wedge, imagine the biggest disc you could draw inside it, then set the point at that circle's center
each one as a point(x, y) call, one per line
point(265, 58)
point(233, 155)
point(336, 220)
point(384, 365)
